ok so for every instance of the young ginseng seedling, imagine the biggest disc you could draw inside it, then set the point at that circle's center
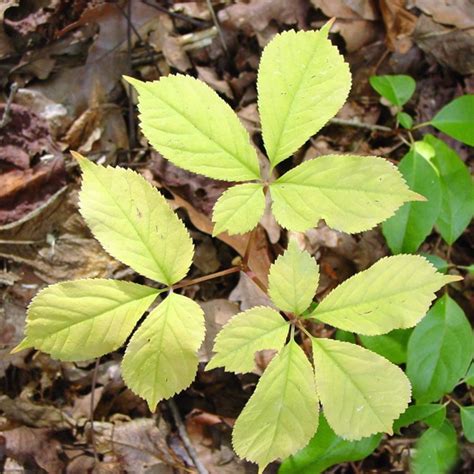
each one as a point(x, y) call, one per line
point(302, 83)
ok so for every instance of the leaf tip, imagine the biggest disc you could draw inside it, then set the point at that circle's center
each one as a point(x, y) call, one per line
point(417, 197)
point(134, 82)
point(327, 27)
point(24, 344)
point(77, 156)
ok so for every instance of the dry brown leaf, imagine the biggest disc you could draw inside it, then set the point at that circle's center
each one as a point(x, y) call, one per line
point(459, 13)
point(399, 24)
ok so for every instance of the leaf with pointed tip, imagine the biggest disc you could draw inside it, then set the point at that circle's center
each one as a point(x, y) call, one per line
point(134, 223)
point(293, 280)
point(239, 209)
point(457, 191)
point(302, 83)
point(397, 89)
point(351, 193)
point(246, 333)
point(161, 358)
point(361, 392)
point(456, 119)
point(190, 125)
point(414, 221)
point(394, 293)
point(435, 368)
point(83, 319)
point(282, 414)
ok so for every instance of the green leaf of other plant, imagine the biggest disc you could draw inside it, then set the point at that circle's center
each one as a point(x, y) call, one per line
point(246, 333)
point(405, 120)
point(435, 368)
point(351, 193)
point(409, 227)
point(397, 89)
point(293, 280)
point(361, 392)
point(457, 191)
point(394, 293)
point(434, 414)
point(456, 119)
point(239, 209)
point(436, 451)
point(161, 359)
point(282, 414)
point(467, 420)
point(134, 223)
point(190, 125)
point(392, 346)
point(326, 449)
point(302, 83)
point(83, 319)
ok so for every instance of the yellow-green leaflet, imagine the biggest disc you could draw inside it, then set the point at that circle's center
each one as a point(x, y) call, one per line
point(239, 209)
point(83, 319)
point(282, 414)
point(161, 357)
point(394, 293)
point(246, 333)
point(293, 280)
point(134, 223)
point(190, 125)
point(361, 392)
point(302, 83)
point(351, 193)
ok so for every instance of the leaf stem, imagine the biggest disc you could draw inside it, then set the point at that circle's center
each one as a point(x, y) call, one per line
point(420, 125)
point(357, 124)
point(212, 276)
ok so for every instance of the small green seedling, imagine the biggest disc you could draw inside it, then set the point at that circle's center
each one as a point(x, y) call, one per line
point(361, 392)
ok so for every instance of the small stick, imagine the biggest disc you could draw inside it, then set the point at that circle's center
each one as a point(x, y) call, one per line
point(91, 408)
point(179, 16)
point(217, 25)
point(185, 438)
point(8, 106)
point(195, 281)
point(357, 124)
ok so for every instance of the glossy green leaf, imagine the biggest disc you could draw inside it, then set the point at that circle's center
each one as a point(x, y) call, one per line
point(434, 368)
point(467, 419)
point(239, 209)
point(397, 89)
point(134, 223)
point(345, 336)
point(351, 193)
point(326, 449)
point(83, 319)
point(457, 191)
point(282, 414)
point(409, 227)
point(299, 93)
point(246, 333)
point(425, 412)
point(161, 359)
point(394, 293)
point(469, 377)
point(361, 392)
point(456, 119)
point(405, 120)
point(436, 451)
point(190, 125)
point(293, 280)
point(392, 346)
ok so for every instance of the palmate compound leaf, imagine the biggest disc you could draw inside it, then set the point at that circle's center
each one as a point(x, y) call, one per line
point(134, 223)
point(361, 392)
point(282, 414)
point(239, 209)
point(293, 280)
point(302, 83)
point(246, 333)
point(394, 293)
point(83, 319)
point(351, 193)
point(190, 125)
point(161, 358)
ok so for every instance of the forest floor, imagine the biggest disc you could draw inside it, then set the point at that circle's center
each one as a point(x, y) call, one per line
point(61, 69)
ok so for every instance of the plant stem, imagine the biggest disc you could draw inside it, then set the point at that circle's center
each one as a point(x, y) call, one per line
point(6, 112)
point(421, 125)
point(217, 25)
point(212, 276)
